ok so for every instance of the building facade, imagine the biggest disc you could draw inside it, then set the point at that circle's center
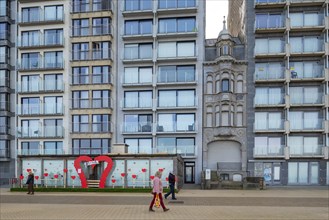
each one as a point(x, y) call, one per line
point(287, 86)
point(7, 89)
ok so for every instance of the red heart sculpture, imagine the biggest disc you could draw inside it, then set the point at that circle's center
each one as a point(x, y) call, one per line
point(160, 169)
point(73, 177)
point(21, 177)
point(36, 177)
point(123, 174)
point(166, 178)
point(45, 174)
point(144, 170)
point(133, 176)
point(106, 171)
point(28, 170)
point(56, 176)
point(152, 177)
point(113, 180)
point(65, 170)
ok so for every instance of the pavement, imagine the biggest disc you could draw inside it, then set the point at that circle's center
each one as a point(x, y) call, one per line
point(311, 203)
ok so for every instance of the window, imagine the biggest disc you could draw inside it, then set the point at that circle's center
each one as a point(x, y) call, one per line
point(53, 82)
point(80, 5)
point(305, 19)
point(101, 26)
point(4, 149)
point(54, 13)
point(268, 96)
point(225, 85)
point(176, 49)
point(30, 106)
point(30, 14)
point(177, 25)
point(4, 8)
point(268, 146)
point(53, 105)
point(303, 172)
point(4, 31)
point(53, 128)
point(138, 75)
point(30, 83)
point(30, 128)
point(101, 99)
point(80, 51)
point(101, 74)
point(139, 99)
point(101, 5)
point(30, 60)
point(53, 37)
point(80, 99)
point(269, 46)
point(176, 74)
point(176, 98)
point(101, 50)
point(53, 147)
point(101, 123)
point(30, 148)
point(306, 44)
point(266, 71)
point(80, 75)
point(305, 95)
point(268, 121)
point(30, 38)
point(304, 146)
point(176, 3)
point(54, 59)
point(80, 123)
point(176, 122)
point(305, 120)
point(225, 50)
point(171, 145)
point(5, 55)
point(139, 145)
point(269, 21)
point(95, 146)
point(4, 102)
point(306, 69)
point(138, 123)
point(4, 125)
point(137, 5)
point(81, 27)
point(139, 27)
point(138, 51)
point(4, 78)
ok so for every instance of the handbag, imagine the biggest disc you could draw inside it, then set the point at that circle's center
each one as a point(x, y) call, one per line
point(157, 201)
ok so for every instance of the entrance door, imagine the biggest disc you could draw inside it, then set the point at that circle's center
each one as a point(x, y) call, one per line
point(95, 173)
point(189, 172)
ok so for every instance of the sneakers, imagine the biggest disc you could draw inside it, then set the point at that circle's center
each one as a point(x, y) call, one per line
point(166, 210)
point(165, 197)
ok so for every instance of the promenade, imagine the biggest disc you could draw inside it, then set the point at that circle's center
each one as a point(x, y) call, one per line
point(273, 203)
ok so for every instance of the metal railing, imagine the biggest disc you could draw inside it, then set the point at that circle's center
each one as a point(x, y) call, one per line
point(41, 109)
point(269, 125)
point(40, 132)
point(41, 40)
point(306, 124)
point(269, 151)
point(40, 86)
point(99, 127)
point(91, 103)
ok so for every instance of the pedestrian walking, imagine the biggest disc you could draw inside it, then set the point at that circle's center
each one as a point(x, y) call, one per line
point(171, 180)
point(157, 190)
point(30, 183)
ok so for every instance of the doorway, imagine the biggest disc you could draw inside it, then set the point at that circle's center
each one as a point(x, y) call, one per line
point(189, 168)
point(94, 173)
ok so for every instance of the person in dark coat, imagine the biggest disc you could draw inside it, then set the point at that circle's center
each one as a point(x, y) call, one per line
point(171, 180)
point(30, 183)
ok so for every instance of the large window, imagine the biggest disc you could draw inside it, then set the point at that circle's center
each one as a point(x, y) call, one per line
point(138, 75)
point(101, 50)
point(53, 82)
point(30, 14)
point(91, 146)
point(306, 69)
point(4, 78)
point(30, 148)
point(269, 45)
point(80, 99)
point(163, 4)
point(4, 55)
point(139, 145)
point(80, 75)
point(267, 71)
point(269, 21)
point(53, 105)
point(80, 123)
point(4, 125)
point(101, 123)
point(53, 147)
point(268, 121)
point(53, 128)
point(54, 13)
point(80, 51)
point(137, 5)
point(268, 146)
point(172, 145)
point(169, 74)
point(101, 74)
point(80, 5)
point(101, 98)
point(4, 31)
point(138, 123)
point(177, 25)
point(4, 148)
point(176, 49)
point(30, 38)
point(138, 27)
point(138, 99)
point(305, 120)
point(306, 44)
point(305, 95)
point(269, 96)
point(30, 106)
point(176, 98)
point(53, 37)
point(303, 172)
point(81, 27)
point(101, 5)
point(101, 26)
point(304, 146)
point(176, 122)
point(29, 83)
point(138, 51)
point(305, 19)
point(54, 59)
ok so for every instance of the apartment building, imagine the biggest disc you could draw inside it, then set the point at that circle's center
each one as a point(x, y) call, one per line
point(287, 87)
point(7, 89)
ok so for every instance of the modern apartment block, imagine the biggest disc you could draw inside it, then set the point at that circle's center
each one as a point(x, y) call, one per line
point(159, 84)
point(7, 89)
point(95, 73)
point(287, 86)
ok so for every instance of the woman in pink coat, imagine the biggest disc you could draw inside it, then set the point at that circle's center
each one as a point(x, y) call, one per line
point(157, 190)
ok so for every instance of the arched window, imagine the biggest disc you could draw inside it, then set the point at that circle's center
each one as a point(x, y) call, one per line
point(209, 85)
point(225, 85)
point(209, 117)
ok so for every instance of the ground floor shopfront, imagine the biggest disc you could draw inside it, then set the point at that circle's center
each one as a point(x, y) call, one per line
point(117, 170)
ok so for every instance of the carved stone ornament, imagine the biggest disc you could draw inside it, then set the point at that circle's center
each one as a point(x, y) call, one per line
point(223, 131)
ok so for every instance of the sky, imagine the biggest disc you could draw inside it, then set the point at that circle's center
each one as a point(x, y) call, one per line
point(215, 10)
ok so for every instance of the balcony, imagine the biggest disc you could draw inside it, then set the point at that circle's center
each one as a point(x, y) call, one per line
point(4, 129)
point(39, 65)
point(306, 47)
point(40, 132)
point(41, 86)
point(41, 151)
point(269, 48)
point(269, 74)
point(174, 127)
point(39, 18)
point(270, 24)
point(270, 125)
point(306, 125)
point(40, 42)
point(315, 73)
point(306, 151)
point(184, 151)
point(269, 152)
point(268, 100)
point(40, 109)
point(306, 2)
point(91, 103)
point(100, 127)
point(86, 7)
point(4, 106)
point(5, 82)
point(85, 55)
point(100, 30)
point(91, 79)
point(270, 3)
point(4, 153)
point(306, 99)
point(137, 127)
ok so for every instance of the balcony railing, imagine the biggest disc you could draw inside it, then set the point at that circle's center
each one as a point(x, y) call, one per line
point(95, 78)
point(269, 152)
point(269, 125)
point(99, 30)
point(41, 132)
point(4, 153)
point(91, 103)
point(4, 82)
point(80, 7)
point(41, 41)
point(40, 17)
point(4, 129)
point(4, 106)
point(40, 151)
point(270, 24)
point(317, 46)
point(187, 150)
point(91, 55)
point(306, 124)
point(175, 127)
point(306, 151)
point(101, 127)
point(269, 1)
point(135, 127)
point(40, 86)
point(41, 109)
point(314, 73)
point(130, 103)
point(39, 64)
point(306, 99)
point(269, 99)
point(273, 74)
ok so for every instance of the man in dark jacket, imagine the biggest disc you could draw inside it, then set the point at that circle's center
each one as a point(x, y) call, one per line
point(30, 183)
point(171, 180)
